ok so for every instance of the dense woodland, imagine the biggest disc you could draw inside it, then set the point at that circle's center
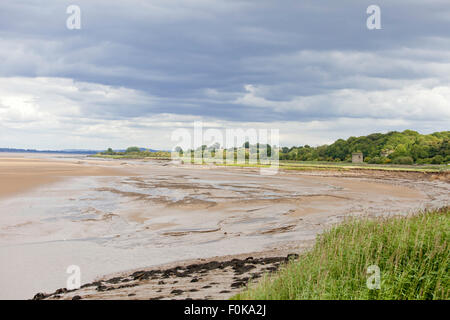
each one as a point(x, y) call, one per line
point(405, 147)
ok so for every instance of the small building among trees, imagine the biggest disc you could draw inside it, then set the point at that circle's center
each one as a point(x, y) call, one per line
point(357, 157)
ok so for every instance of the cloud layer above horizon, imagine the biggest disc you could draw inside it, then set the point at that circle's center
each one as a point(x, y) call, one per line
point(137, 70)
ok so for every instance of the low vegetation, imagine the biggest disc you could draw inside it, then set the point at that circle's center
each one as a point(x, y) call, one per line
point(412, 254)
point(407, 147)
point(341, 166)
point(380, 151)
point(133, 153)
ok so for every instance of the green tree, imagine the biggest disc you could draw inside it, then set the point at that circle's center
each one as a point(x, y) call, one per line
point(133, 150)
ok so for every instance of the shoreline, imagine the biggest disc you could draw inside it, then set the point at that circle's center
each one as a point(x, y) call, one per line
point(21, 174)
point(214, 278)
point(188, 215)
point(294, 165)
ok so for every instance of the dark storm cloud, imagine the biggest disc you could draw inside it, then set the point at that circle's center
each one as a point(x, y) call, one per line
point(234, 60)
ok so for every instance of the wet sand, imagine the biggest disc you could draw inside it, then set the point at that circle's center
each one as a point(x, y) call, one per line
point(213, 278)
point(109, 217)
point(20, 174)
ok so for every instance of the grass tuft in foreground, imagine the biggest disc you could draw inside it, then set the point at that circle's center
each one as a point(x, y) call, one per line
point(412, 254)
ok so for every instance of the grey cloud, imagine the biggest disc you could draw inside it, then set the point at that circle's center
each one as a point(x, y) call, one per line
point(194, 58)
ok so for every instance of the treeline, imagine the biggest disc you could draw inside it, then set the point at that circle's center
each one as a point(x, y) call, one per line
point(407, 147)
point(135, 151)
point(257, 151)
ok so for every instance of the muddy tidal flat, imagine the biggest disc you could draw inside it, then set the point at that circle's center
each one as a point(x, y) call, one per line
point(159, 230)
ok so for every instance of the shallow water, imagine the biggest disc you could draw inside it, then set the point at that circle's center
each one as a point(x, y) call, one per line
point(164, 213)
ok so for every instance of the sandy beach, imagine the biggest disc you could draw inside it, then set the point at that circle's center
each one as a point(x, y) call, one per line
point(120, 220)
point(19, 173)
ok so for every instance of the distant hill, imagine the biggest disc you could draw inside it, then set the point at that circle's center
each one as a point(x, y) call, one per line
point(405, 147)
point(68, 151)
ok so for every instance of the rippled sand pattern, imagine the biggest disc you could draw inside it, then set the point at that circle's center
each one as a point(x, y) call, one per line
point(110, 216)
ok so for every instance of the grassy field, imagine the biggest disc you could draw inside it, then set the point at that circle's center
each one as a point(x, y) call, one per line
point(286, 164)
point(345, 165)
point(130, 156)
point(339, 166)
point(412, 253)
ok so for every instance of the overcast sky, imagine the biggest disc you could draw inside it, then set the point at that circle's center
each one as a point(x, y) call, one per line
point(137, 70)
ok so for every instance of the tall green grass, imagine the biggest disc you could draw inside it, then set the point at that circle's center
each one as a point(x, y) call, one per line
point(412, 254)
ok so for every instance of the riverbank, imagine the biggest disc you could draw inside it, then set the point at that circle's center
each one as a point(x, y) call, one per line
point(154, 213)
point(291, 165)
point(399, 258)
point(411, 253)
point(19, 173)
point(210, 279)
